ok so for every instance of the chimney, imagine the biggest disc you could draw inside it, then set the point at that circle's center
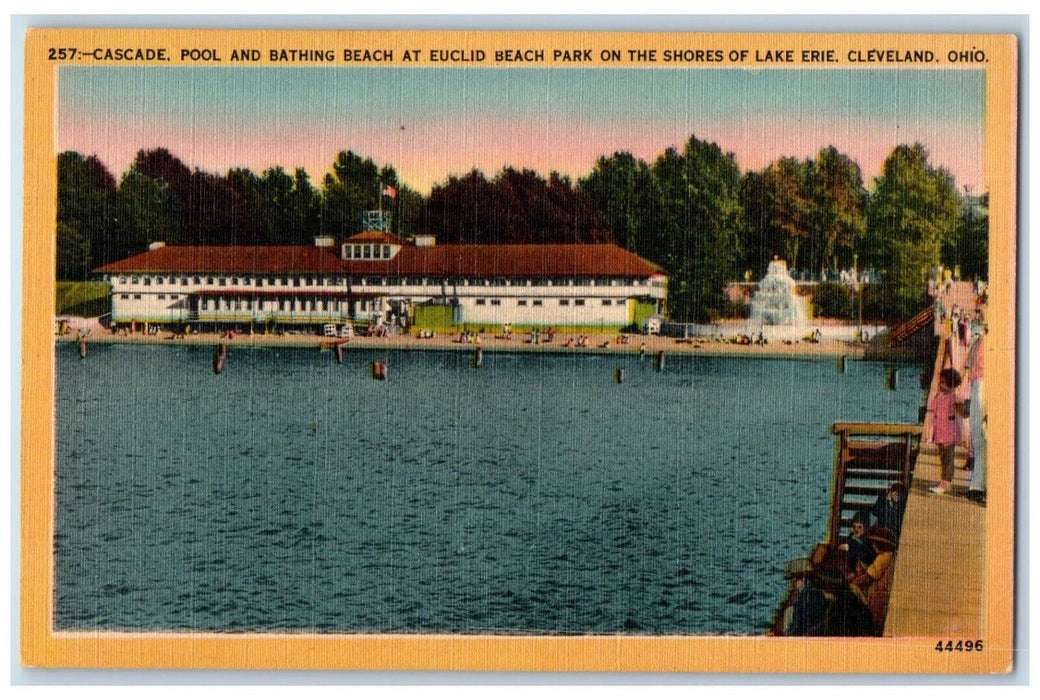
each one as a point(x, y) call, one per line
point(156, 245)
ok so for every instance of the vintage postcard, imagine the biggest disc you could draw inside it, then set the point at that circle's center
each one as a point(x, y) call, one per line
point(526, 351)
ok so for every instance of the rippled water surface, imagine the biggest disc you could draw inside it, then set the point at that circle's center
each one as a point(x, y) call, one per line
point(530, 494)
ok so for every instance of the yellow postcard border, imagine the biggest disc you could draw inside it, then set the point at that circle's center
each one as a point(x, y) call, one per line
point(41, 646)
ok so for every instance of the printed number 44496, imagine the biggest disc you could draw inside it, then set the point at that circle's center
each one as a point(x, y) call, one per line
point(959, 645)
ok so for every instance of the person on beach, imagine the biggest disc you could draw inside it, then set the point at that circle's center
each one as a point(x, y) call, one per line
point(946, 411)
point(888, 510)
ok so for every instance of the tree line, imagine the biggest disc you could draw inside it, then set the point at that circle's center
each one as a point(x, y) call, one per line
point(691, 211)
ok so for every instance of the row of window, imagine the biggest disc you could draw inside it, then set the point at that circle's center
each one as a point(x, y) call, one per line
point(311, 281)
point(561, 302)
point(279, 305)
point(367, 252)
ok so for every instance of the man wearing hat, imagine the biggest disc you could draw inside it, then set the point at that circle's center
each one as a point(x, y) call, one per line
point(873, 585)
point(807, 612)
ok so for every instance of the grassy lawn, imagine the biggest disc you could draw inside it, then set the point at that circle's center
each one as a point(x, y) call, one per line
point(86, 299)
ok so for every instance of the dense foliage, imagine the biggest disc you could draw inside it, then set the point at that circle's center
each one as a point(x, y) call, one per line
point(691, 211)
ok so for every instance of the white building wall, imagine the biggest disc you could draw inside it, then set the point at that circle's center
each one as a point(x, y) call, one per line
point(168, 298)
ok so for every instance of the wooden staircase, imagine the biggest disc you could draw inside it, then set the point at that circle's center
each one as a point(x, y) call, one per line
point(868, 457)
point(910, 326)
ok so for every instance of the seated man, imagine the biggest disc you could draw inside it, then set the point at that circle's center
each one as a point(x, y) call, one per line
point(860, 553)
point(806, 614)
point(873, 584)
point(888, 511)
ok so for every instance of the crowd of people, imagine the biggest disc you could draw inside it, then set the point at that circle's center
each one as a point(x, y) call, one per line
point(846, 595)
point(958, 409)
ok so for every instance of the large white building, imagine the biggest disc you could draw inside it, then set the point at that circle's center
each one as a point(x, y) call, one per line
point(375, 277)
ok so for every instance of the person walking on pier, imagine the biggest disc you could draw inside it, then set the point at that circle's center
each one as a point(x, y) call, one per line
point(946, 425)
point(973, 367)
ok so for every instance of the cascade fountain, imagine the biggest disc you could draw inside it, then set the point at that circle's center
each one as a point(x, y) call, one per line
point(776, 309)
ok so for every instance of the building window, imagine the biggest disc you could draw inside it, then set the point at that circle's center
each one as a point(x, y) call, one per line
point(162, 296)
point(222, 281)
point(196, 280)
point(148, 281)
point(296, 281)
point(622, 302)
point(368, 252)
point(175, 297)
point(565, 302)
point(134, 280)
point(481, 302)
point(605, 302)
point(158, 280)
point(536, 302)
point(521, 302)
point(122, 280)
point(184, 281)
point(124, 296)
point(496, 302)
point(137, 296)
point(386, 252)
point(579, 302)
point(348, 251)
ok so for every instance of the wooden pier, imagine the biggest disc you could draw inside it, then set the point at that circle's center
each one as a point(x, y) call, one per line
point(937, 588)
point(940, 563)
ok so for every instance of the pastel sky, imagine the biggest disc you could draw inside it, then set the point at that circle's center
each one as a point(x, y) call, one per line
point(545, 119)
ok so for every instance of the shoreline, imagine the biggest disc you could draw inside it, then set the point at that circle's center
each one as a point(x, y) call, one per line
point(597, 344)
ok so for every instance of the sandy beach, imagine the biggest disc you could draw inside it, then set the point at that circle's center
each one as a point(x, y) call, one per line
point(596, 343)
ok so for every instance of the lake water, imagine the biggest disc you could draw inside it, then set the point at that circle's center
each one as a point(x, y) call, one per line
point(531, 494)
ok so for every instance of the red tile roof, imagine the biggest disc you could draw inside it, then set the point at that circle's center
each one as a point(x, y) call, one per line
point(550, 260)
point(242, 260)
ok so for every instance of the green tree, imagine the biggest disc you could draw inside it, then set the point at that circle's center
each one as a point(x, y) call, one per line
point(788, 212)
point(304, 209)
point(837, 217)
point(518, 206)
point(623, 190)
point(86, 193)
point(351, 188)
point(74, 259)
point(969, 249)
point(146, 211)
point(700, 220)
point(913, 211)
point(758, 242)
